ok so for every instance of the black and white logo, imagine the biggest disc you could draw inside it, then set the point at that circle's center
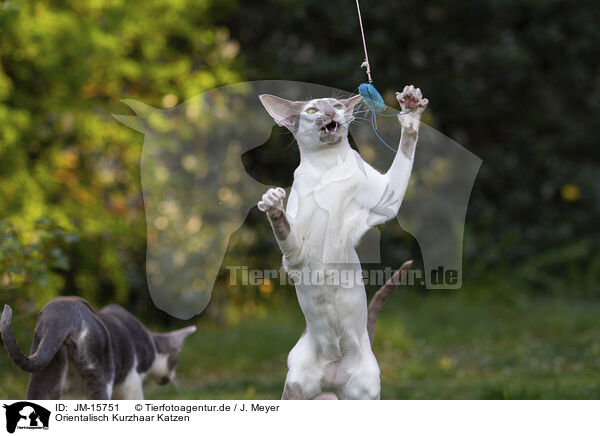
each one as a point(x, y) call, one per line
point(26, 415)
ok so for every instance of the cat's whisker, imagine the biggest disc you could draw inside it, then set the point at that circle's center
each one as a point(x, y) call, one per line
point(357, 120)
point(291, 143)
point(358, 117)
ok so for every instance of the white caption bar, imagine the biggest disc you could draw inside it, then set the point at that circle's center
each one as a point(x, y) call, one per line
point(302, 417)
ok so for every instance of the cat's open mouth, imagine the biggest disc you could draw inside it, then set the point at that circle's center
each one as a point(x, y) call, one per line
point(329, 128)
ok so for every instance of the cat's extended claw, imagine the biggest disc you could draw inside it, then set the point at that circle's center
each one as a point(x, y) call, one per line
point(272, 200)
point(412, 99)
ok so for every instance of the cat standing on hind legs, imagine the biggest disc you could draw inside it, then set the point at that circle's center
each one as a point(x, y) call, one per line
point(335, 199)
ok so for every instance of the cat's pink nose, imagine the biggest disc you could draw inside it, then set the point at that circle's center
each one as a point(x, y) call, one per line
point(330, 114)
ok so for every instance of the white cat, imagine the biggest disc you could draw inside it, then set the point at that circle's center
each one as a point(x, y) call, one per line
point(335, 198)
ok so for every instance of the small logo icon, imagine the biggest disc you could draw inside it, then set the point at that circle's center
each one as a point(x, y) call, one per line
point(26, 415)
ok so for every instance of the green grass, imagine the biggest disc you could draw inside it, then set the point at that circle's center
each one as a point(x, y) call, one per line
point(444, 345)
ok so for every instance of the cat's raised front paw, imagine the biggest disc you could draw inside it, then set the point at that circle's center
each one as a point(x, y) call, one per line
point(412, 98)
point(272, 200)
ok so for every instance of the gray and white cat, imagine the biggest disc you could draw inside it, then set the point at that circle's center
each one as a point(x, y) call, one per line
point(335, 199)
point(103, 354)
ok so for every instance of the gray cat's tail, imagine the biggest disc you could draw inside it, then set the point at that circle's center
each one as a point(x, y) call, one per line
point(46, 350)
point(380, 296)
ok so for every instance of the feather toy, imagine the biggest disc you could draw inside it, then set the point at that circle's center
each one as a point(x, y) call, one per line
point(371, 97)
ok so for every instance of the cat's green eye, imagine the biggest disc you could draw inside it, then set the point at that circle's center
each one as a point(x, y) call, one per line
point(311, 110)
point(338, 106)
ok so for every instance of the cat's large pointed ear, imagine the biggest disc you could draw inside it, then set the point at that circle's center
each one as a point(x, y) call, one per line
point(286, 113)
point(177, 337)
point(351, 102)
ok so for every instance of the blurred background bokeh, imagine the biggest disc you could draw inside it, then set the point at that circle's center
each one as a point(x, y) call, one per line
point(515, 82)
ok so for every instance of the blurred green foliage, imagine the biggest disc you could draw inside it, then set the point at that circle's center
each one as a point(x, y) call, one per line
point(63, 158)
point(32, 265)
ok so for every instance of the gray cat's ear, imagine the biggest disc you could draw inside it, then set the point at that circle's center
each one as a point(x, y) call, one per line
point(351, 102)
point(286, 113)
point(177, 337)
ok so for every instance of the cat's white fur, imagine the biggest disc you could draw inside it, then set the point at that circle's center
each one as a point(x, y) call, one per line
point(335, 198)
point(131, 388)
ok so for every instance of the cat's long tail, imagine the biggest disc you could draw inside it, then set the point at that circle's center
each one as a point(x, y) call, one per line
point(380, 296)
point(46, 350)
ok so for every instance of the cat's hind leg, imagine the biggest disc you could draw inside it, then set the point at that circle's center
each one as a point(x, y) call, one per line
point(48, 383)
point(97, 379)
point(96, 390)
point(303, 381)
point(92, 359)
point(98, 384)
point(364, 384)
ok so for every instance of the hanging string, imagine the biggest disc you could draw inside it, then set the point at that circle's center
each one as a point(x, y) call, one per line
point(371, 98)
point(374, 121)
point(366, 62)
